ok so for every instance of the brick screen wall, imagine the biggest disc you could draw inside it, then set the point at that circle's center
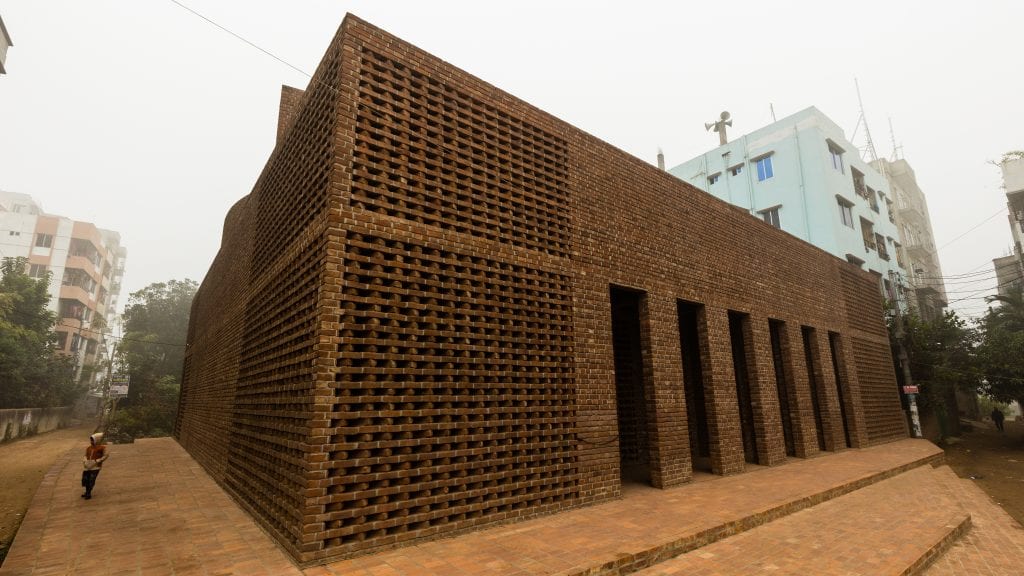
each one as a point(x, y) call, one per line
point(408, 330)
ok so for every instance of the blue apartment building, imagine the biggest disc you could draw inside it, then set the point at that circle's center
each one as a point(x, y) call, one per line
point(802, 175)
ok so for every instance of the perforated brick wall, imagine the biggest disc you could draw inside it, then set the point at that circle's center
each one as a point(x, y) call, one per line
point(408, 331)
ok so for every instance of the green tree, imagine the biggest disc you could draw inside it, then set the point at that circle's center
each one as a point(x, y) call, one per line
point(153, 352)
point(1009, 314)
point(33, 373)
point(942, 355)
point(1001, 353)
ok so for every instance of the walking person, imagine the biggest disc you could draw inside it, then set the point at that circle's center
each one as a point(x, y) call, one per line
point(95, 454)
point(997, 417)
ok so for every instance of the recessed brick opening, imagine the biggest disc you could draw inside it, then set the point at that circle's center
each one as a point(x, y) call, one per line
point(693, 385)
point(783, 382)
point(739, 327)
point(814, 377)
point(835, 345)
point(630, 385)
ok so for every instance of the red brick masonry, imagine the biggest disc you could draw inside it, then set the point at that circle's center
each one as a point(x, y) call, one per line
point(408, 330)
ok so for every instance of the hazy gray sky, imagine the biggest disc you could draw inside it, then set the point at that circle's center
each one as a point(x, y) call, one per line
point(145, 119)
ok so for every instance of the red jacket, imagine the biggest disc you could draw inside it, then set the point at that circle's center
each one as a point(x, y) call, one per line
point(97, 453)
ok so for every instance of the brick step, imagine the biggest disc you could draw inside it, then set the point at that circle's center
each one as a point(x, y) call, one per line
point(994, 546)
point(648, 526)
point(895, 527)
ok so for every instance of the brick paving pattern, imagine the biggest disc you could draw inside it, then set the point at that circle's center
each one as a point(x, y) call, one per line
point(886, 528)
point(995, 543)
point(644, 526)
point(156, 511)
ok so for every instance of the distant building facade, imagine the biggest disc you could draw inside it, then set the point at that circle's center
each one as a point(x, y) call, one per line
point(1008, 274)
point(802, 175)
point(85, 263)
point(5, 43)
point(441, 308)
point(1010, 269)
point(925, 288)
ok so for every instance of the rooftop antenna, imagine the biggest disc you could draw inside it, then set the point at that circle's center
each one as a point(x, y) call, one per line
point(870, 148)
point(719, 126)
point(897, 151)
point(772, 108)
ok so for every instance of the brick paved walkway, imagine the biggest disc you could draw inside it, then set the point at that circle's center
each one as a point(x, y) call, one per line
point(890, 527)
point(995, 543)
point(157, 512)
point(645, 526)
point(154, 511)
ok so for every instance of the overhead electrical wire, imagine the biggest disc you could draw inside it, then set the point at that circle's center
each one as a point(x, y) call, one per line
point(972, 228)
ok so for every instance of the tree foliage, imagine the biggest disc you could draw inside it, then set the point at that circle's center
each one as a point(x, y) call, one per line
point(942, 358)
point(32, 372)
point(1001, 354)
point(153, 352)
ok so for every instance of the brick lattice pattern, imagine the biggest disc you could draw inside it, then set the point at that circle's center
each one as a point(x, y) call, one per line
point(441, 308)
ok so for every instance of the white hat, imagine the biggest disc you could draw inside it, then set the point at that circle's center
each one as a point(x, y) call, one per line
point(97, 437)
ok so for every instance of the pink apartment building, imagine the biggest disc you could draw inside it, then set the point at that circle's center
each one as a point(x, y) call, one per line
point(85, 263)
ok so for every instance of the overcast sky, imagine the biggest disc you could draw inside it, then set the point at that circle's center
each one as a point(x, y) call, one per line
point(143, 118)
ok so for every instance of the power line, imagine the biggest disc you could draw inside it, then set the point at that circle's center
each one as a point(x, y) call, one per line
point(998, 286)
point(243, 39)
point(258, 47)
point(961, 276)
point(975, 281)
point(971, 229)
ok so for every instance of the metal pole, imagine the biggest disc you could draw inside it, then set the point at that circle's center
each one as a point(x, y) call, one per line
point(901, 354)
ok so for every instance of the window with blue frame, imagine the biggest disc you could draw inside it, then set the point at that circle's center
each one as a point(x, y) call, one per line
point(714, 177)
point(764, 169)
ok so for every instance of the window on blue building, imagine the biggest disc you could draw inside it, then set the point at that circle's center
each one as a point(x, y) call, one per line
point(714, 177)
point(845, 211)
point(771, 216)
point(764, 169)
point(836, 154)
point(736, 170)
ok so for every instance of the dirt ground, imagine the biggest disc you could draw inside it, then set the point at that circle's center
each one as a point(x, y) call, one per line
point(23, 463)
point(995, 461)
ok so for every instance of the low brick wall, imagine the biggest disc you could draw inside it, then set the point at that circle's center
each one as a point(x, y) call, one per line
point(20, 422)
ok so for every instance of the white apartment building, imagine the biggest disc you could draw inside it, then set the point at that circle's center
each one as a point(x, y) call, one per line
point(925, 289)
point(1010, 269)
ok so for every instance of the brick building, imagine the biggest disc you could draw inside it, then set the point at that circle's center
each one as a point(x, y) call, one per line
point(441, 308)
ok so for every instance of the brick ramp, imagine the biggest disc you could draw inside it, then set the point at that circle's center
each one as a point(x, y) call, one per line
point(893, 527)
point(995, 543)
point(647, 526)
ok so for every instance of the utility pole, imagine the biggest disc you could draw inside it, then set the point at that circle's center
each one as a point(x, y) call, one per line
point(901, 354)
point(109, 403)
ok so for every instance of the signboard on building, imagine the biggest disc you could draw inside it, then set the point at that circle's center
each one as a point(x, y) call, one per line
point(119, 386)
point(910, 389)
